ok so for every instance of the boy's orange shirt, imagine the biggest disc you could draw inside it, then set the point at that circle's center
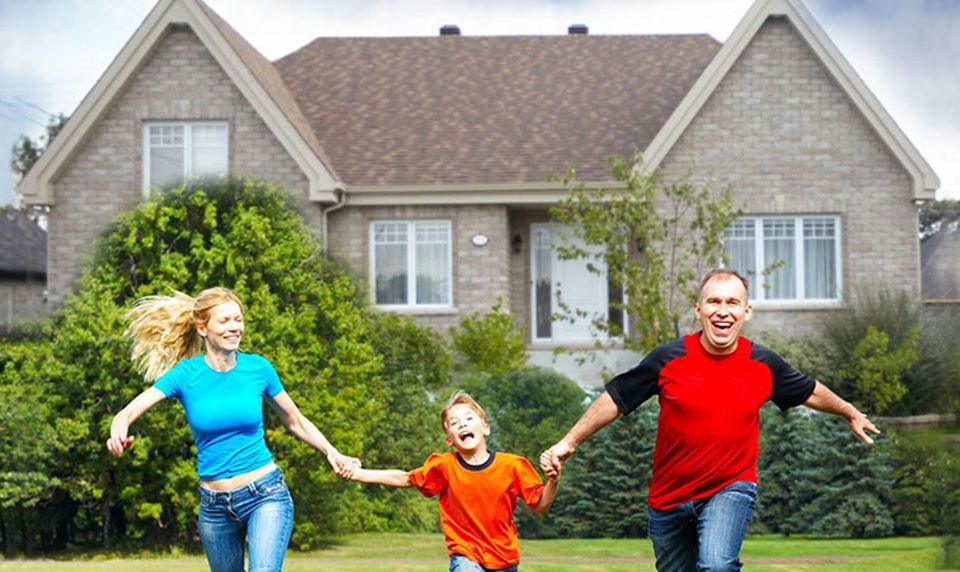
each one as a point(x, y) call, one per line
point(477, 503)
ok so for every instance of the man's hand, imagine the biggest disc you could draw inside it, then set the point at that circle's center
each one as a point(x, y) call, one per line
point(859, 424)
point(551, 460)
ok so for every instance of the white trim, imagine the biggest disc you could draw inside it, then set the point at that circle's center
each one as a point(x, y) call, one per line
point(480, 193)
point(37, 185)
point(925, 181)
point(411, 265)
point(758, 298)
point(188, 149)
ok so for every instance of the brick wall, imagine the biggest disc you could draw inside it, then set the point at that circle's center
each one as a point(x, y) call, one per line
point(480, 274)
point(789, 140)
point(21, 299)
point(180, 81)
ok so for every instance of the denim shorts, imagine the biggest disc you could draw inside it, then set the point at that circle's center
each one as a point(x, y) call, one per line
point(460, 563)
point(259, 514)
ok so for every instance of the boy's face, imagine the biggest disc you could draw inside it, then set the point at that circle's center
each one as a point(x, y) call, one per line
point(466, 430)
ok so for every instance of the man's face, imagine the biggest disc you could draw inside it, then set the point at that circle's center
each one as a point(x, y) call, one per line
point(722, 311)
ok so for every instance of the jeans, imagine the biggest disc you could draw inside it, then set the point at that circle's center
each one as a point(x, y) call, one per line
point(460, 563)
point(703, 534)
point(261, 512)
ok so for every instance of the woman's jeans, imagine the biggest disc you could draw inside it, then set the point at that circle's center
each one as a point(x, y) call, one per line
point(261, 512)
point(459, 563)
point(703, 534)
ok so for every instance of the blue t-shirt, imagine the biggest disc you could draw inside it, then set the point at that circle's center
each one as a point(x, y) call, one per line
point(225, 411)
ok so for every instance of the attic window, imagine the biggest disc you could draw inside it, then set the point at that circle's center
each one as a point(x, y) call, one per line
point(174, 152)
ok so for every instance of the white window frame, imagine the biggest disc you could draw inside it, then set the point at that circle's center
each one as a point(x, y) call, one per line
point(757, 290)
point(187, 146)
point(411, 264)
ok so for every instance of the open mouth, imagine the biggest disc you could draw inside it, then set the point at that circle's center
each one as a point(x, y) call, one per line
point(722, 326)
point(466, 435)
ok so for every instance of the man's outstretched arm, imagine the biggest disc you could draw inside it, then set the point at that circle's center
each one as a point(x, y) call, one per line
point(601, 413)
point(822, 399)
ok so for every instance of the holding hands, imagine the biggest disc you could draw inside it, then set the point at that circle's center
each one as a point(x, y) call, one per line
point(342, 465)
point(551, 460)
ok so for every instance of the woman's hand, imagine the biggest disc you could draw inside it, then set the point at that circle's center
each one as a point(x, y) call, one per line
point(342, 465)
point(118, 441)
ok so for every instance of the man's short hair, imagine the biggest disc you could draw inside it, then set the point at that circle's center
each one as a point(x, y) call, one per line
point(724, 273)
point(461, 398)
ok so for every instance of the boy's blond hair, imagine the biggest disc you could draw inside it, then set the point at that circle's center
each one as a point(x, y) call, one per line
point(461, 398)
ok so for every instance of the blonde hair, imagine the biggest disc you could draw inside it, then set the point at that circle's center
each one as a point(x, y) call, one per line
point(164, 328)
point(461, 398)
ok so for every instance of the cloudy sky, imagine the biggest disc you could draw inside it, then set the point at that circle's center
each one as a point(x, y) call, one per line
point(907, 51)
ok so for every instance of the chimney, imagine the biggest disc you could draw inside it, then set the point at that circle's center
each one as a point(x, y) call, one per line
point(578, 30)
point(450, 30)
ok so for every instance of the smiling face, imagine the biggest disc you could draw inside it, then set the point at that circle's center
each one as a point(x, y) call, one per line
point(722, 311)
point(223, 329)
point(466, 429)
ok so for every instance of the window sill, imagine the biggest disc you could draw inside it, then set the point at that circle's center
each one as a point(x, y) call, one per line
point(798, 305)
point(418, 311)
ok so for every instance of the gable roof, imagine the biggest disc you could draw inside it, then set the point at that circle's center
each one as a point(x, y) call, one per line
point(252, 74)
point(23, 245)
point(925, 181)
point(455, 110)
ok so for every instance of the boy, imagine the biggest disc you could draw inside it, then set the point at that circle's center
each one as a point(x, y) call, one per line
point(478, 490)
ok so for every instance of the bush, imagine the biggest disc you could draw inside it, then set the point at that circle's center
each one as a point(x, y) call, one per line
point(304, 314)
point(489, 343)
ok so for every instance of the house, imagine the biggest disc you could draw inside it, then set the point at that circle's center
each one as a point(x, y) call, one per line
point(427, 162)
point(940, 265)
point(23, 267)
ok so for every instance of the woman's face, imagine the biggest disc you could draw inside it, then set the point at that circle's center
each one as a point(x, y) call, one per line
point(224, 328)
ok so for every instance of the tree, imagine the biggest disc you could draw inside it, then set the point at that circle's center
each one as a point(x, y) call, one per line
point(655, 238)
point(936, 214)
point(304, 313)
point(26, 151)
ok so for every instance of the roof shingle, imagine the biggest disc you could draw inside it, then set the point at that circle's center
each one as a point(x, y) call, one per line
point(509, 109)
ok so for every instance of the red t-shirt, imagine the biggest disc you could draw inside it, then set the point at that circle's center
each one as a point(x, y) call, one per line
point(709, 413)
point(477, 503)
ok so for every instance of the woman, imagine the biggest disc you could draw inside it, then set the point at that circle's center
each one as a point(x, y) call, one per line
point(242, 491)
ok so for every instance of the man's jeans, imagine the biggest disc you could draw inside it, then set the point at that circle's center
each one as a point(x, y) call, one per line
point(460, 563)
point(261, 512)
point(703, 534)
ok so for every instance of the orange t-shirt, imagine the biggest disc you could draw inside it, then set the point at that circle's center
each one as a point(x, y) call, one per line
point(477, 503)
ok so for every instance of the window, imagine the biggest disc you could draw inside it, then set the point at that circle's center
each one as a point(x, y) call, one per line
point(177, 152)
point(411, 263)
point(801, 256)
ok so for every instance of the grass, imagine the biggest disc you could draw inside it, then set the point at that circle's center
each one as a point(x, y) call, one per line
point(426, 553)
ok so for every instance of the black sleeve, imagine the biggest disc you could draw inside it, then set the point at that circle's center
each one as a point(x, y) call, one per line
point(790, 387)
point(631, 388)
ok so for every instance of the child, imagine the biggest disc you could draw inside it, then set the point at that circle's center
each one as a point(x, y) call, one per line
point(478, 490)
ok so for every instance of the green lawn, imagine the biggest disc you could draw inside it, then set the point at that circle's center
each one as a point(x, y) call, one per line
point(426, 553)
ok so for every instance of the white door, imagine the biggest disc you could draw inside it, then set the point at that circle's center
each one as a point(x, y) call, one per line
point(567, 281)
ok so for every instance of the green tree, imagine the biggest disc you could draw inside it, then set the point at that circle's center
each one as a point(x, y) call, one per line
point(935, 215)
point(875, 368)
point(305, 314)
point(27, 151)
point(655, 238)
point(489, 342)
point(604, 486)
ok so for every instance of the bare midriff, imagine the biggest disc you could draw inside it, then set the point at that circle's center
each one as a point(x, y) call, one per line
point(237, 481)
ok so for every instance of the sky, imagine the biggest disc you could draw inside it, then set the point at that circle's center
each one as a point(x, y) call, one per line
point(907, 51)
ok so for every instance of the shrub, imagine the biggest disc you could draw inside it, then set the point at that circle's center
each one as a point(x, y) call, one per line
point(489, 343)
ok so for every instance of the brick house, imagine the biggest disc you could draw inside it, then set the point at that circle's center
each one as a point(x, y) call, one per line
point(426, 162)
point(23, 267)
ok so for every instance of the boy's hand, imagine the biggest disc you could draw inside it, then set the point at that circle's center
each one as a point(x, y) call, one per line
point(551, 460)
point(342, 465)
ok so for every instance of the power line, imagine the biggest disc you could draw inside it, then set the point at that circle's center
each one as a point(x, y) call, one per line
point(24, 115)
point(37, 107)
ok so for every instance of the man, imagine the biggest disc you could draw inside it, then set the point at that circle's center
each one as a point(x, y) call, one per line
point(711, 385)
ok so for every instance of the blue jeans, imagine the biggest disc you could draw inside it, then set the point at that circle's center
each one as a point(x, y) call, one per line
point(703, 534)
point(460, 563)
point(261, 512)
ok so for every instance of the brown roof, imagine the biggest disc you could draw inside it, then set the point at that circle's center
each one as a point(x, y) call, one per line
point(455, 109)
point(271, 81)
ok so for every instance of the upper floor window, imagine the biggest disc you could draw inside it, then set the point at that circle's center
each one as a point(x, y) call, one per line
point(801, 256)
point(174, 152)
point(411, 263)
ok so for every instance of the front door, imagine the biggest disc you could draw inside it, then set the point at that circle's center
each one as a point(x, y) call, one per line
point(557, 281)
